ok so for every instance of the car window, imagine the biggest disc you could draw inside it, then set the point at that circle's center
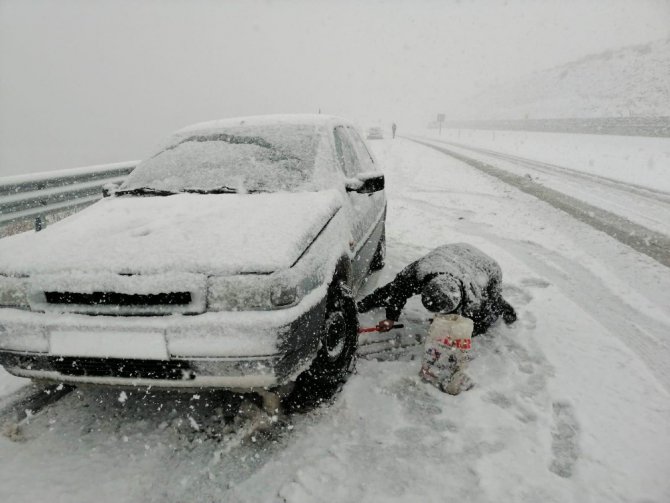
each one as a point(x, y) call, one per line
point(366, 160)
point(346, 153)
point(265, 158)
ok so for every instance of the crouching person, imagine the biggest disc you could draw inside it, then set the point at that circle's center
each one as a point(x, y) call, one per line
point(454, 279)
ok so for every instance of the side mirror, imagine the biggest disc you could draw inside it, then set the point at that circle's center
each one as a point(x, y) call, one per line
point(366, 183)
point(109, 189)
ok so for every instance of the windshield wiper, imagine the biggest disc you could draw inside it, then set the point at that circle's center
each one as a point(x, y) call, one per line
point(223, 189)
point(144, 191)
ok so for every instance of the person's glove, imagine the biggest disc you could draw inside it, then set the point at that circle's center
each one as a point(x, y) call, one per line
point(385, 325)
point(509, 316)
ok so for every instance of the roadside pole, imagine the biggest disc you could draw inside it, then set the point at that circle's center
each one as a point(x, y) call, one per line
point(440, 120)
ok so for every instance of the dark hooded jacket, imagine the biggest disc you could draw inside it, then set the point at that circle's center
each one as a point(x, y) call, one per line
point(479, 277)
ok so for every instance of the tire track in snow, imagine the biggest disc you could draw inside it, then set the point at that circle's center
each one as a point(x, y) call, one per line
point(639, 238)
point(644, 206)
point(545, 167)
point(28, 401)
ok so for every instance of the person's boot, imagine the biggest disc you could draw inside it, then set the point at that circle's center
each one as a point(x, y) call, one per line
point(509, 316)
point(506, 310)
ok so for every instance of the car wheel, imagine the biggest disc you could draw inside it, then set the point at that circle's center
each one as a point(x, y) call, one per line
point(379, 259)
point(335, 359)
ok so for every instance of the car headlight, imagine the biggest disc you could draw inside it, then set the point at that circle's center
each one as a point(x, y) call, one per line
point(283, 295)
point(251, 292)
point(13, 292)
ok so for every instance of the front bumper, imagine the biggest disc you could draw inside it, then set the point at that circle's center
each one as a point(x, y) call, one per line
point(229, 373)
point(233, 350)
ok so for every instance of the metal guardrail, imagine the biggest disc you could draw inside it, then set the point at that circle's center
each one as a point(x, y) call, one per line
point(52, 196)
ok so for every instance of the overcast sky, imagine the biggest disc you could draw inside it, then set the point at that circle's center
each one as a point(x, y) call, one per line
point(89, 82)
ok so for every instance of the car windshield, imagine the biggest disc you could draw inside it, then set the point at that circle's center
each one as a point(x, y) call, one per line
point(267, 158)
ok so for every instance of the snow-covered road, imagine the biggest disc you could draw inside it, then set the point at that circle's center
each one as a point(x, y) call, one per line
point(647, 206)
point(572, 402)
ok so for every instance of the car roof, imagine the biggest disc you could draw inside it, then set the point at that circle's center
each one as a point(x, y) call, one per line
point(265, 120)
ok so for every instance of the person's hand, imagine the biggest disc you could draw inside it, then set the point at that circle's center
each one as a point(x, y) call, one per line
point(385, 325)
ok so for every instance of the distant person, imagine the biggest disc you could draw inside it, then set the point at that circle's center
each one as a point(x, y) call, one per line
point(393, 128)
point(454, 278)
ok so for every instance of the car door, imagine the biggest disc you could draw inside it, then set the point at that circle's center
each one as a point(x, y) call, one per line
point(368, 164)
point(361, 205)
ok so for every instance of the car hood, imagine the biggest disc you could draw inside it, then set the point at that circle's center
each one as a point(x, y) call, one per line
point(212, 234)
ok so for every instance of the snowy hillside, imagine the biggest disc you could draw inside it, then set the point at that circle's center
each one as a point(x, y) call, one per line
point(631, 81)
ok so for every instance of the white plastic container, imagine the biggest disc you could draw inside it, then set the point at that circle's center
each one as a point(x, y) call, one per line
point(446, 353)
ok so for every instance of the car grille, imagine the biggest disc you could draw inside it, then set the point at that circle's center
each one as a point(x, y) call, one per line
point(112, 367)
point(119, 299)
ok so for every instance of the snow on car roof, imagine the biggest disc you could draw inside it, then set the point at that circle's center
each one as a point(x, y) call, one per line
point(264, 120)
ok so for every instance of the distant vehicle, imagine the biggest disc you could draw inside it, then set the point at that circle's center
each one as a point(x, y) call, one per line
point(375, 133)
point(228, 259)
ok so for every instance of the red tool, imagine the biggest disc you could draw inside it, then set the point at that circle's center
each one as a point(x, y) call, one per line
point(365, 330)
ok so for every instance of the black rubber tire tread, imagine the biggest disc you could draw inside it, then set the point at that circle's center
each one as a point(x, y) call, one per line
point(325, 377)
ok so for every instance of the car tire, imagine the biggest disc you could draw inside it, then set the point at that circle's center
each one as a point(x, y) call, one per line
point(336, 357)
point(379, 259)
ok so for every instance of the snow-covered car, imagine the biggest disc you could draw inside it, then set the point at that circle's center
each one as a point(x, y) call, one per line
point(375, 133)
point(228, 259)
